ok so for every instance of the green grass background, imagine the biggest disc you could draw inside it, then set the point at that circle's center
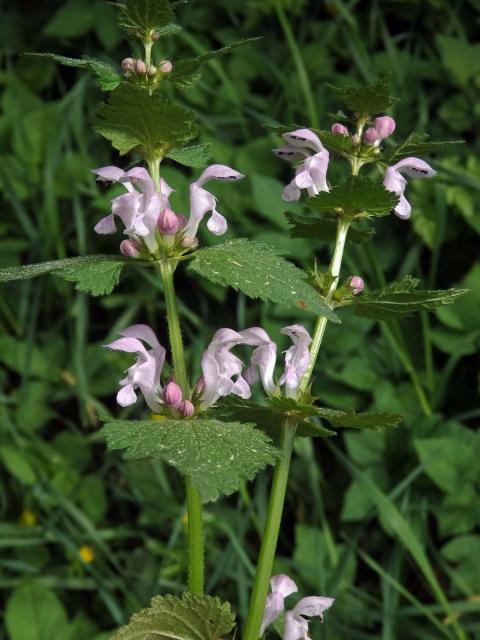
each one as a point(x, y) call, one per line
point(387, 524)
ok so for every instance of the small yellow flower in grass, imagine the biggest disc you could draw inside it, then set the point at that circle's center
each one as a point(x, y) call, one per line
point(86, 554)
point(157, 417)
point(27, 518)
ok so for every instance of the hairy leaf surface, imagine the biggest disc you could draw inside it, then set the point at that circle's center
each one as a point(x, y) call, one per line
point(354, 197)
point(257, 270)
point(107, 76)
point(196, 156)
point(142, 17)
point(216, 455)
point(417, 144)
point(190, 617)
point(369, 99)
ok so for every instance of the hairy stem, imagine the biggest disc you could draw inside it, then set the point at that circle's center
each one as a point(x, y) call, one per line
point(194, 504)
point(270, 534)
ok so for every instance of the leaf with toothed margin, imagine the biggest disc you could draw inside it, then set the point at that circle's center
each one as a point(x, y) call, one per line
point(258, 271)
point(189, 617)
point(215, 455)
point(368, 99)
point(324, 229)
point(107, 77)
point(196, 156)
point(417, 144)
point(401, 298)
point(355, 197)
point(141, 18)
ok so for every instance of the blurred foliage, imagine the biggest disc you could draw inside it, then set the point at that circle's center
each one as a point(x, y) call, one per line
point(388, 523)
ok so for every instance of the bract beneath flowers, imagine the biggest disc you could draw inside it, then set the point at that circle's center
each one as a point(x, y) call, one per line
point(296, 624)
point(147, 214)
point(311, 174)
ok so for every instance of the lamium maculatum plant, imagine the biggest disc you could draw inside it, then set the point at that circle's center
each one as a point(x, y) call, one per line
point(209, 429)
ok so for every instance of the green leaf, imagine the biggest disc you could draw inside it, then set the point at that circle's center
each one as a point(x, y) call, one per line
point(107, 77)
point(196, 156)
point(401, 298)
point(451, 464)
point(356, 197)
point(152, 125)
point(190, 617)
point(460, 58)
point(97, 279)
point(417, 144)
point(369, 99)
point(324, 229)
point(17, 464)
point(353, 420)
point(334, 142)
point(216, 455)
point(258, 271)
point(25, 272)
point(34, 612)
point(141, 18)
point(186, 72)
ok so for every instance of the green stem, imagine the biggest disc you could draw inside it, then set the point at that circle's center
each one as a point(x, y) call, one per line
point(270, 534)
point(194, 504)
point(301, 70)
point(342, 231)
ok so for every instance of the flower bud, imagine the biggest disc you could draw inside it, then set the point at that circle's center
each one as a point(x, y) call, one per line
point(130, 248)
point(371, 136)
point(200, 386)
point(356, 284)
point(140, 67)
point(172, 394)
point(166, 66)
point(189, 242)
point(339, 129)
point(168, 222)
point(186, 408)
point(151, 71)
point(128, 65)
point(155, 36)
point(385, 126)
point(356, 139)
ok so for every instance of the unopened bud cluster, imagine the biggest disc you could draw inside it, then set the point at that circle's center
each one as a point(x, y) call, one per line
point(137, 68)
point(383, 127)
point(175, 403)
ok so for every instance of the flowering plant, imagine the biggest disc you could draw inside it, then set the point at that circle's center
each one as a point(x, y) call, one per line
point(210, 429)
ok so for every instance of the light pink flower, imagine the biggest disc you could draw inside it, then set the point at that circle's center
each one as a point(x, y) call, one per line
point(357, 285)
point(385, 126)
point(282, 586)
point(145, 373)
point(339, 129)
point(297, 358)
point(311, 174)
point(203, 202)
point(371, 136)
point(296, 627)
point(139, 208)
point(394, 181)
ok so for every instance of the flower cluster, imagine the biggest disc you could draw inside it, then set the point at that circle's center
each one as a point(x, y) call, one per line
point(296, 625)
point(305, 147)
point(147, 215)
point(223, 373)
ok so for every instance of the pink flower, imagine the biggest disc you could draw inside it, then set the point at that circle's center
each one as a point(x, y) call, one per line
point(370, 136)
point(145, 373)
point(395, 182)
point(186, 408)
point(339, 129)
point(172, 394)
point(311, 174)
point(357, 285)
point(203, 202)
point(385, 126)
point(139, 208)
point(168, 222)
point(296, 626)
point(297, 358)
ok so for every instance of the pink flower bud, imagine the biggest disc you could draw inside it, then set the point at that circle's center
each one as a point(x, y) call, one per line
point(200, 386)
point(385, 126)
point(357, 285)
point(172, 394)
point(128, 65)
point(151, 71)
point(339, 129)
point(186, 409)
point(168, 222)
point(166, 66)
point(140, 67)
point(189, 242)
point(130, 248)
point(155, 36)
point(371, 136)
point(356, 138)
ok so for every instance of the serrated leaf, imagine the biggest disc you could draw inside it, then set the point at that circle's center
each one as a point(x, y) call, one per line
point(417, 144)
point(215, 455)
point(356, 196)
point(196, 156)
point(190, 617)
point(334, 142)
point(152, 125)
point(369, 99)
point(107, 76)
point(26, 272)
point(97, 279)
point(324, 229)
point(353, 420)
point(140, 18)
point(258, 271)
point(186, 72)
point(402, 298)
